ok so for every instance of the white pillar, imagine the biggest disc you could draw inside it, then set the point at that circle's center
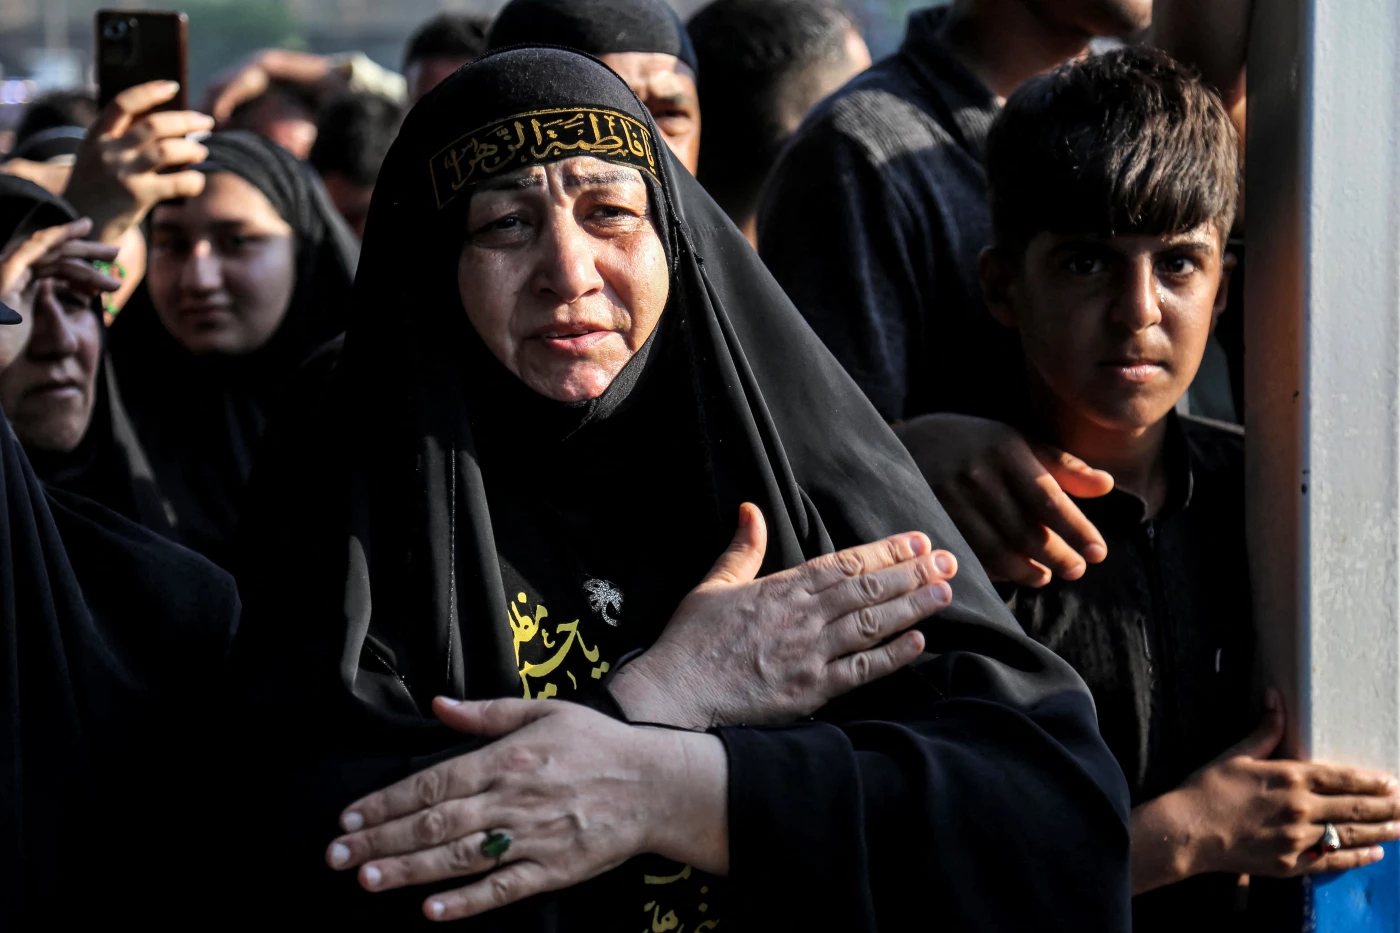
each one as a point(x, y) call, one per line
point(1322, 295)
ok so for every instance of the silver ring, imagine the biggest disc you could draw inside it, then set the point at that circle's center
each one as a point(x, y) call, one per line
point(1331, 840)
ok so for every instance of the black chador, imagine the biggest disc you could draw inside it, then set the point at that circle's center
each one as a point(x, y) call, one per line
point(111, 639)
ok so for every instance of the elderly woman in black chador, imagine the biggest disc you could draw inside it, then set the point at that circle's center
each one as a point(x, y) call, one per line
point(565, 374)
point(58, 388)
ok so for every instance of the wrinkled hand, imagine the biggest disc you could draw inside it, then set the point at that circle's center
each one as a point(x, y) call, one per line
point(1258, 817)
point(1009, 497)
point(578, 793)
point(745, 651)
point(125, 164)
point(55, 252)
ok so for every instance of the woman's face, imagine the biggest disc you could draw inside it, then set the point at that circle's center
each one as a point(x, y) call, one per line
point(47, 390)
point(222, 267)
point(563, 273)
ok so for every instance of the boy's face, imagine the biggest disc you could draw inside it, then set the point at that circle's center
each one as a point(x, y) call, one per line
point(1113, 327)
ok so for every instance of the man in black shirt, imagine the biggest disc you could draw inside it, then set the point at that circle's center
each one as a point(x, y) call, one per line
point(873, 218)
point(1113, 185)
point(763, 65)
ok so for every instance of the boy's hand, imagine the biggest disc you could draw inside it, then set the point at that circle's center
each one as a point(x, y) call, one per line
point(1010, 498)
point(1242, 814)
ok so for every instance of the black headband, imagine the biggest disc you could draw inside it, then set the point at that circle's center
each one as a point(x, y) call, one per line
point(537, 137)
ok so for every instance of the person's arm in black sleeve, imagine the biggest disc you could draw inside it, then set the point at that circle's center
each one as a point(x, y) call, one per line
point(966, 814)
point(836, 235)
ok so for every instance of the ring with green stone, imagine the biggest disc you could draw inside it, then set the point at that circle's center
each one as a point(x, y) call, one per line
point(495, 845)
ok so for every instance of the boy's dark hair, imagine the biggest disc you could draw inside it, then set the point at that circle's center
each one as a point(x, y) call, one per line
point(448, 35)
point(56, 109)
point(1127, 142)
point(757, 60)
point(353, 135)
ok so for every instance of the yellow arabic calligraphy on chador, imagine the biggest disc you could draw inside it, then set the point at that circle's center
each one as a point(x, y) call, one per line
point(662, 923)
point(524, 627)
point(540, 136)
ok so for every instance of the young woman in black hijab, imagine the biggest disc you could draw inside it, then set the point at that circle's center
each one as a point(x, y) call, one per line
point(60, 392)
point(644, 41)
point(518, 487)
point(106, 633)
point(243, 283)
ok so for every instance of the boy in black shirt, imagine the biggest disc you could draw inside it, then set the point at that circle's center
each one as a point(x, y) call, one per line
point(1113, 186)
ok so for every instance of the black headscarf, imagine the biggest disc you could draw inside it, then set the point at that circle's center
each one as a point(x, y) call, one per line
point(598, 27)
point(108, 634)
point(108, 465)
point(200, 418)
point(405, 541)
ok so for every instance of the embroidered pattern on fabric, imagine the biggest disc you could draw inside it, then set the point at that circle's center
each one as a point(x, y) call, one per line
point(540, 136)
point(603, 596)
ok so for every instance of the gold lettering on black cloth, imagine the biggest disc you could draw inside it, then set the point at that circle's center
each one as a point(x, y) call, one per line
point(536, 137)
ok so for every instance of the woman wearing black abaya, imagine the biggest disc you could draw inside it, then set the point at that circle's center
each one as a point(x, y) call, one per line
point(243, 283)
point(61, 393)
point(511, 501)
point(106, 633)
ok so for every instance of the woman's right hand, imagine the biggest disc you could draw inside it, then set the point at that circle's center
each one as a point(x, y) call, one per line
point(127, 162)
point(55, 252)
point(740, 650)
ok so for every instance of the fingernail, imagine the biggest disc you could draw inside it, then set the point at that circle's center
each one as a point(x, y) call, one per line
point(451, 701)
point(945, 563)
point(1271, 702)
point(352, 821)
point(437, 909)
point(942, 594)
point(1377, 853)
point(340, 854)
point(1095, 553)
point(919, 545)
point(1391, 829)
point(373, 876)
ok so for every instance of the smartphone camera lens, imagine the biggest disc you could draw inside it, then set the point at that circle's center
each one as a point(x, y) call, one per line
point(117, 29)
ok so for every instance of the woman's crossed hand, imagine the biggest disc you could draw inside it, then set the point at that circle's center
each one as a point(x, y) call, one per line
point(577, 792)
point(741, 650)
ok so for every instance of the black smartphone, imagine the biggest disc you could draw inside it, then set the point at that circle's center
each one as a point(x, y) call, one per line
point(136, 46)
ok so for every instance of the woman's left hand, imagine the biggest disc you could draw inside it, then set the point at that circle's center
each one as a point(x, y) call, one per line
point(577, 792)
